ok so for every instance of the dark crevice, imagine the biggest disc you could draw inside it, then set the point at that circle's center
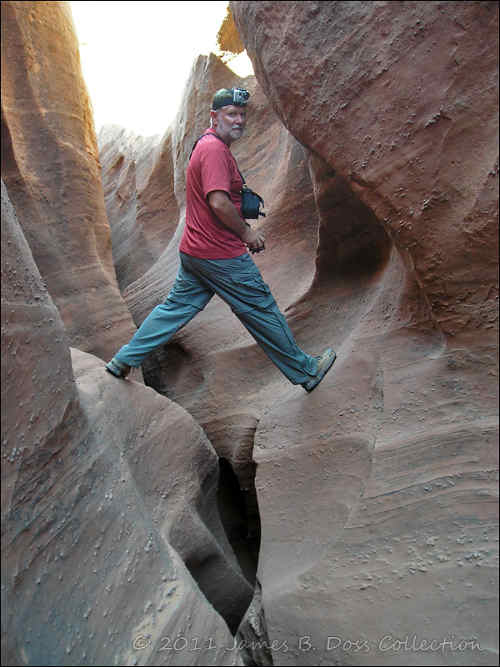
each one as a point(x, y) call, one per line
point(352, 242)
point(240, 519)
point(163, 370)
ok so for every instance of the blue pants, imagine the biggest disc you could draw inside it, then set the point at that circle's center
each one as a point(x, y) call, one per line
point(239, 283)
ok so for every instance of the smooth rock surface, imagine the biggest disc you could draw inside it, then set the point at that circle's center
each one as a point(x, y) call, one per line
point(213, 362)
point(50, 165)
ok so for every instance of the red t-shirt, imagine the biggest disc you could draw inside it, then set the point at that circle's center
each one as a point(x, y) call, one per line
point(212, 167)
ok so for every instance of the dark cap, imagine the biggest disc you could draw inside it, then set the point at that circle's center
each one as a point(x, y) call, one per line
point(225, 96)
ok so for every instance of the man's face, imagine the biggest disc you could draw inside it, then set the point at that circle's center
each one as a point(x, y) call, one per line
point(229, 122)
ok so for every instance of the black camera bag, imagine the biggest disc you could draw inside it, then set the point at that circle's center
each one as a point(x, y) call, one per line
point(250, 200)
point(250, 203)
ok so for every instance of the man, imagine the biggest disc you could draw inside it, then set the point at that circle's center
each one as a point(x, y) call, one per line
point(215, 260)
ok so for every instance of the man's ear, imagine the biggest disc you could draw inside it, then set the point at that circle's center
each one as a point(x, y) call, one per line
point(213, 118)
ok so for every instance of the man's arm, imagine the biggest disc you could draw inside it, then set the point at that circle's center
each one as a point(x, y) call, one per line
point(228, 214)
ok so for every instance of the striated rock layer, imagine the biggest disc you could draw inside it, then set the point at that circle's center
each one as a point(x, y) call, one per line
point(378, 493)
point(212, 367)
point(112, 543)
point(372, 136)
point(108, 492)
point(139, 194)
point(50, 165)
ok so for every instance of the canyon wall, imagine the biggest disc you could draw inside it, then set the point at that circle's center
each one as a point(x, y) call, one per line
point(50, 166)
point(362, 517)
point(212, 366)
point(113, 549)
point(378, 493)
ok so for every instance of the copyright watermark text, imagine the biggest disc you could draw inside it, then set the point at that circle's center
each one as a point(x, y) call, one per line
point(306, 643)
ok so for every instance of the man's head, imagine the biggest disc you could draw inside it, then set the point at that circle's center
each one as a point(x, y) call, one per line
point(228, 113)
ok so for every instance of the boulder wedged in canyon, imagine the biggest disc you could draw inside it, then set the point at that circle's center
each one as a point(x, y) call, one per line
point(50, 165)
point(108, 493)
point(378, 493)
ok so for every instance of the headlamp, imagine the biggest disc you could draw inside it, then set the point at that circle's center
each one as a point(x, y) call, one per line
point(226, 96)
point(240, 96)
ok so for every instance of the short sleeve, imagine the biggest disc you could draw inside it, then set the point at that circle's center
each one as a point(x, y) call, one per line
point(215, 171)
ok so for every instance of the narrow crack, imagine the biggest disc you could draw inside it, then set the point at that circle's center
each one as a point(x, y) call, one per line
point(233, 440)
point(240, 517)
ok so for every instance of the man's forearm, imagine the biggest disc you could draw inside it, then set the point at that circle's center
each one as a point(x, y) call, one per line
point(228, 214)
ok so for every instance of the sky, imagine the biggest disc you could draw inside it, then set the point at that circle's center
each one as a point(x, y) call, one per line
point(136, 57)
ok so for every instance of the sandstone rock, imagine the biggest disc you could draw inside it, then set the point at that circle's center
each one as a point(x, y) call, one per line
point(40, 407)
point(108, 480)
point(174, 469)
point(228, 37)
point(108, 518)
point(274, 164)
point(215, 351)
point(407, 119)
point(252, 640)
point(51, 168)
point(139, 193)
point(387, 472)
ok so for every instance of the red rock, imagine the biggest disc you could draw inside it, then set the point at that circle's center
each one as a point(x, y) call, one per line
point(215, 351)
point(400, 100)
point(111, 531)
point(377, 492)
point(50, 165)
point(40, 407)
point(140, 203)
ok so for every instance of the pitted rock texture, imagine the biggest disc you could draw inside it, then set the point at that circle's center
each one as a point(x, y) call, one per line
point(407, 296)
point(108, 493)
point(369, 488)
point(388, 471)
point(378, 492)
point(50, 165)
point(401, 101)
point(39, 399)
point(112, 544)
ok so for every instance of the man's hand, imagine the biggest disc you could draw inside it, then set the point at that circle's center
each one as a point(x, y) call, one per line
point(254, 240)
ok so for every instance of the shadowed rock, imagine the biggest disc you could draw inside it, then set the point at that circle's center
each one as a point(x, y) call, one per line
point(107, 488)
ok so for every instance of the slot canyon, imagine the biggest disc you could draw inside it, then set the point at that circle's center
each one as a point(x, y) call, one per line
point(205, 511)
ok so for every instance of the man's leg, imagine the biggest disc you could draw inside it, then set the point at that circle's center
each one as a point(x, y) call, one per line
point(271, 331)
point(239, 283)
point(186, 299)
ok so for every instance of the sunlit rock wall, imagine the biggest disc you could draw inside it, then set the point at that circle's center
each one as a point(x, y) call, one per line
point(50, 165)
point(112, 543)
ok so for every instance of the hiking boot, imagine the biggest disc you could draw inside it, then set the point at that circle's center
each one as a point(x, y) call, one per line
point(117, 368)
point(325, 362)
